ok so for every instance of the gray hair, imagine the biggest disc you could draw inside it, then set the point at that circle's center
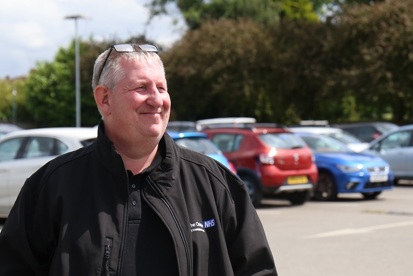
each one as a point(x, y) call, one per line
point(113, 71)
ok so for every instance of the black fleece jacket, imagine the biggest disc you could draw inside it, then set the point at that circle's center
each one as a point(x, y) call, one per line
point(70, 216)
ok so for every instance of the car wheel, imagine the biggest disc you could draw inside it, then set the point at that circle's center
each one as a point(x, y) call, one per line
point(253, 189)
point(326, 187)
point(373, 195)
point(299, 198)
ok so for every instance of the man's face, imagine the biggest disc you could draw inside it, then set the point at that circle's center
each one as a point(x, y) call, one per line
point(139, 106)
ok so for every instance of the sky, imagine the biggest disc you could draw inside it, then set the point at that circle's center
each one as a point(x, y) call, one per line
point(32, 31)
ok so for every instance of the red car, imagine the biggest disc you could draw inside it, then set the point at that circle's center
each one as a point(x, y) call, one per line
point(272, 161)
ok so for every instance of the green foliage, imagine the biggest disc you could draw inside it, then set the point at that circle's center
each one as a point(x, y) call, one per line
point(10, 101)
point(358, 68)
point(222, 68)
point(298, 9)
point(266, 12)
point(380, 37)
point(355, 66)
point(49, 93)
point(50, 89)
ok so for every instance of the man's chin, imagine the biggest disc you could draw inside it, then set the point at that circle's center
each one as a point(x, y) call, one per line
point(156, 131)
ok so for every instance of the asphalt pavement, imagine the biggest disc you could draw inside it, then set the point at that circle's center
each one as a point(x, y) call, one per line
point(350, 236)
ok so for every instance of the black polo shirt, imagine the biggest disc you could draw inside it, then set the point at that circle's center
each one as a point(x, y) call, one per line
point(148, 248)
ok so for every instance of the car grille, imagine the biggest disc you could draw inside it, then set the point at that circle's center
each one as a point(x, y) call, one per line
point(377, 184)
point(378, 170)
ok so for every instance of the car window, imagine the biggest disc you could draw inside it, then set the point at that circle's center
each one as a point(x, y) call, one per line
point(282, 140)
point(38, 147)
point(43, 146)
point(399, 139)
point(225, 142)
point(385, 127)
point(344, 137)
point(237, 142)
point(325, 144)
point(10, 148)
point(202, 145)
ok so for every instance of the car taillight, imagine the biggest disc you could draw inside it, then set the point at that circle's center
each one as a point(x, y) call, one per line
point(268, 158)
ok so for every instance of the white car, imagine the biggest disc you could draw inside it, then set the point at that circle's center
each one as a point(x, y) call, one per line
point(23, 152)
point(351, 141)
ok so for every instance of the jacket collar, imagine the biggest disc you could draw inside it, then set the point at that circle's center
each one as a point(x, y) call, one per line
point(164, 174)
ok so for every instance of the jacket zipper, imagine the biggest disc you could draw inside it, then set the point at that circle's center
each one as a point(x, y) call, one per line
point(181, 233)
point(124, 229)
point(106, 256)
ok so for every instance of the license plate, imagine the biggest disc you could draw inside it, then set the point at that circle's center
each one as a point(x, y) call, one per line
point(297, 179)
point(379, 178)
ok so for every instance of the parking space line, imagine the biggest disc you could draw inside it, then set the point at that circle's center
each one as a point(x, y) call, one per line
point(354, 231)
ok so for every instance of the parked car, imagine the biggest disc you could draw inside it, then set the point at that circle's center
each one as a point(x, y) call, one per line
point(181, 126)
point(341, 170)
point(7, 128)
point(271, 161)
point(199, 142)
point(396, 147)
point(368, 131)
point(23, 152)
point(224, 122)
point(337, 133)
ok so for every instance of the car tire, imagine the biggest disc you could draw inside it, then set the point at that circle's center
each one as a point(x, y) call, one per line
point(370, 196)
point(326, 187)
point(253, 189)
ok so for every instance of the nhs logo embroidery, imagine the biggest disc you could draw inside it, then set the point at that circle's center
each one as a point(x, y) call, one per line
point(201, 226)
point(209, 223)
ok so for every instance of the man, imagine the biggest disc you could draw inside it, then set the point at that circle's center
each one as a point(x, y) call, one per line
point(133, 203)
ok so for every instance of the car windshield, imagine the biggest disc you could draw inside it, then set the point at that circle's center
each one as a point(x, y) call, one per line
point(199, 144)
point(325, 144)
point(385, 127)
point(282, 140)
point(344, 137)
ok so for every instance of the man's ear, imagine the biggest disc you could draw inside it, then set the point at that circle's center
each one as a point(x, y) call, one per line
point(101, 95)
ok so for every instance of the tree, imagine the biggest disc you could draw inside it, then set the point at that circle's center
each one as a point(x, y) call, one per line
point(378, 72)
point(50, 88)
point(267, 12)
point(13, 103)
point(221, 69)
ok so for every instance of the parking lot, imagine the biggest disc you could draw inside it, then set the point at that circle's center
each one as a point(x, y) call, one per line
point(349, 236)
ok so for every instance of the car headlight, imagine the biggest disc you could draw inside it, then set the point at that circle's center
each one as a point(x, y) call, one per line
point(350, 168)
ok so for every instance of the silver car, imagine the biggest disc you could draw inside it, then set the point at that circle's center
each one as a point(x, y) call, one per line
point(396, 147)
point(23, 152)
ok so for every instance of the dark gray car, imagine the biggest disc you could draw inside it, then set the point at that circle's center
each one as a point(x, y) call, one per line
point(368, 131)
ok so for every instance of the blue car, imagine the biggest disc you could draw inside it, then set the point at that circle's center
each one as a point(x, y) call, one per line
point(199, 142)
point(342, 170)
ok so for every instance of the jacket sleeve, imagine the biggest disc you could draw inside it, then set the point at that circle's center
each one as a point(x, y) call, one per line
point(19, 236)
point(247, 244)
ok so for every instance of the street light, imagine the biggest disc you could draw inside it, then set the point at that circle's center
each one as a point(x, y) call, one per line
point(14, 106)
point(75, 18)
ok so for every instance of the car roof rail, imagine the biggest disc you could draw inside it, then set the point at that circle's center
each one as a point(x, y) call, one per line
point(225, 122)
point(273, 125)
point(319, 123)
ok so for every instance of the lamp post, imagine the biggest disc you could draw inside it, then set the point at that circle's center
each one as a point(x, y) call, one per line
point(14, 106)
point(77, 70)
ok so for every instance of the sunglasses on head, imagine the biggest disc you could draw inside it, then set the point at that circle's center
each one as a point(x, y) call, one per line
point(127, 48)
